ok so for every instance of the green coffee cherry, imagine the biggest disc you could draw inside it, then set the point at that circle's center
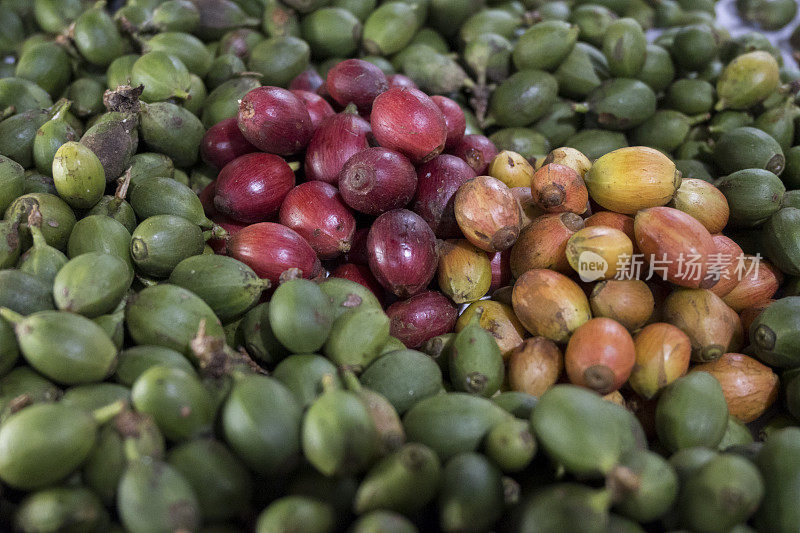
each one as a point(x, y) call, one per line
point(593, 21)
point(120, 70)
point(691, 168)
point(166, 196)
point(519, 404)
point(499, 21)
point(389, 428)
point(176, 15)
point(791, 174)
point(779, 123)
point(452, 423)
point(97, 38)
point(258, 337)
point(49, 138)
point(154, 496)
point(98, 233)
point(782, 249)
point(682, 421)
point(690, 96)
point(523, 98)
point(187, 48)
point(447, 16)
point(561, 123)
point(169, 316)
point(18, 133)
point(332, 32)
point(476, 364)
point(360, 8)
point(770, 15)
point(58, 219)
point(113, 324)
point(150, 165)
point(163, 76)
point(12, 179)
point(176, 399)
point(228, 286)
point(694, 47)
point(44, 443)
point(621, 103)
point(576, 428)
point(224, 68)
point(748, 148)
point(557, 36)
point(721, 494)
point(13, 32)
point(511, 445)
point(62, 508)
point(646, 485)
point(405, 481)
point(174, 131)
point(197, 95)
point(664, 130)
point(86, 95)
point(576, 75)
point(625, 47)
point(289, 512)
point(280, 20)
point(339, 436)
point(736, 434)
point(223, 101)
point(432, 38)
point(403, 377)
point(471, 494)
point(279, 59)
point(9, 351)
point(300, 315)
point(778, 464)
point(567, 507)
point(219, 479)
point(24, 293)
point(346, 295)
point(557, 10)
point(133, 16)
point(23, 95)
point(261, 423)
point(78, 175)
point(9, 243)
point(93, 396)
point(53, 16)
point(24, 380)
point(303, 375)
point(489, 56)
point(91, 284)
point(527, 142)
point(387, 521)
point(134, 361)
point(433, 72)
point(728, 120)
point(356, 337)
point(47, 65)
point(64, 347)
point(116, 207)
point(747, 80)
point(390, 28)
point(106, 463)
point(658, 70)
